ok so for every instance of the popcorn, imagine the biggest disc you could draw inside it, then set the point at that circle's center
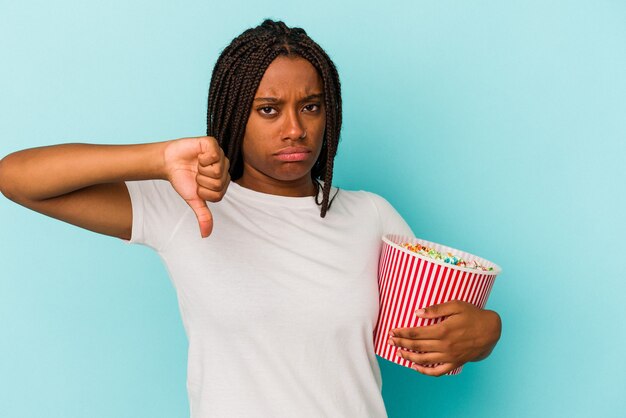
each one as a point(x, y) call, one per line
point(447, 258)
point(414, 274)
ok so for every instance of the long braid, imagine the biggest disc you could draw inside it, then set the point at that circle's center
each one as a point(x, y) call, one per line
point(333, 121)
point(236, 77)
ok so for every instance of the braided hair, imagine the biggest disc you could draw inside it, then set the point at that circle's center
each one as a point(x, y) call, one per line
point(235, 80)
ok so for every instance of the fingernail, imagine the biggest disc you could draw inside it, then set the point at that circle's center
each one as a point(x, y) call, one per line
point(390, 342)
point(414, 367)
point(392, 333)
point(419, 312)
point(399, 353)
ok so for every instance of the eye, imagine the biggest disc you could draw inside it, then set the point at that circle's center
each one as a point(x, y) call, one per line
point(267, 110)
point(313, 107)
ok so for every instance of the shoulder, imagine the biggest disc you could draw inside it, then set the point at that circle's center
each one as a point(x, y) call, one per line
point(155, 198)
point(363, 197)
point(379, 208)
point(151, 187)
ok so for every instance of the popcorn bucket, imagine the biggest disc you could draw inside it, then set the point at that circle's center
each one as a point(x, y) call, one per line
point(408, 281)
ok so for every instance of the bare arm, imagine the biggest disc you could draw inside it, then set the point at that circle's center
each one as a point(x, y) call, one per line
point(83, 184)
point(80, 183)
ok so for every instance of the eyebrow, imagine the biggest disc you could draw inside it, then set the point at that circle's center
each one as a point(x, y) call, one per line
point(317, 96)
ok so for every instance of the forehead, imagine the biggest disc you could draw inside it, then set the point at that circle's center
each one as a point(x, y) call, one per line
point(290, 75)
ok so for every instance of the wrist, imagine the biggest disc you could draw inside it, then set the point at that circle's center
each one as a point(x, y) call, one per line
point(139, 162)
point(160, 167)
point(493, 331)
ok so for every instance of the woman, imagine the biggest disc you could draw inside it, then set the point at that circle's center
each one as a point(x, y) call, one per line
point(278, 293)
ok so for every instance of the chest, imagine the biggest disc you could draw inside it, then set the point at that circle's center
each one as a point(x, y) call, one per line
point(267, 268)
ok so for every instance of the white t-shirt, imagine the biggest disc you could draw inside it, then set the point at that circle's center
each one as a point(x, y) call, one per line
point(279, 305)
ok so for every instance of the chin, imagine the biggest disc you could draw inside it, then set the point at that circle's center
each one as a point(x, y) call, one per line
point(292, 175)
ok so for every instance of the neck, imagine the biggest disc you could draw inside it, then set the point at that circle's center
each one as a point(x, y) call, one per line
point(292, 188)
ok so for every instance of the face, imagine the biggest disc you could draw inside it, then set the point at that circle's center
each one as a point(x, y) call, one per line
point(285, 130)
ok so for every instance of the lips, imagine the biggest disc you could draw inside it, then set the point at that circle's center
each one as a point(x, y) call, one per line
point(292, 154)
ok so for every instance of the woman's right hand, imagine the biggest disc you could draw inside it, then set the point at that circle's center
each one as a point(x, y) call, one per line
point(199, 171)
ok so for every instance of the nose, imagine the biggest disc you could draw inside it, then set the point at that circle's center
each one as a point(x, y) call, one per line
point(293, 128)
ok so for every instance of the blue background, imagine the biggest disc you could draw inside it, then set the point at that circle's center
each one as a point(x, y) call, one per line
point(494, 127)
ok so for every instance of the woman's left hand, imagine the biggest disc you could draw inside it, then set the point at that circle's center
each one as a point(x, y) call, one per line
point(467, 333)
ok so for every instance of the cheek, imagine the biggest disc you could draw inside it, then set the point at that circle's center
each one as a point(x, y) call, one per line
point(248, 150)
point(320, 137)
point(256, 149)
point(251, 140)
point(321, 129)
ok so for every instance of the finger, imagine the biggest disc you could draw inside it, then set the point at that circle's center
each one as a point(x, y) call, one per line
point(214, 169)
point(426, 332)
point(204, 216)
point(206, 144)
point(210, 183)
point(226, 175)
point(211, 154)
point(226, 184)
point(209, 159)
point(421, 358)
point(443, 309)
point(217, 179)
point(416, 345)
point(436, 371)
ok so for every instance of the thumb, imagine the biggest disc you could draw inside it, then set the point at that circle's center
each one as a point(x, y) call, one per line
point(437, 311)
point(204, 216)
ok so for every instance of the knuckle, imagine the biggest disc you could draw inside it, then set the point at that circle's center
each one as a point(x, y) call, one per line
point(212, 197)
point(440, 334)
point(202, 193)
point(418, 347)
point(414, 345)
point(458, 304)
point(427, 362)
point(213, 156)
point(200, 181)
point(212, 141)
point(408, 355)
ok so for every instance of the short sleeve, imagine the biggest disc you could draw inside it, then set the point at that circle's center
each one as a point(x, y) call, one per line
point(157, 212)
point(391, 222)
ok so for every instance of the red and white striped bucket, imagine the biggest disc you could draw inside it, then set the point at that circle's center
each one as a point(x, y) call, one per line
point(408, 281)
